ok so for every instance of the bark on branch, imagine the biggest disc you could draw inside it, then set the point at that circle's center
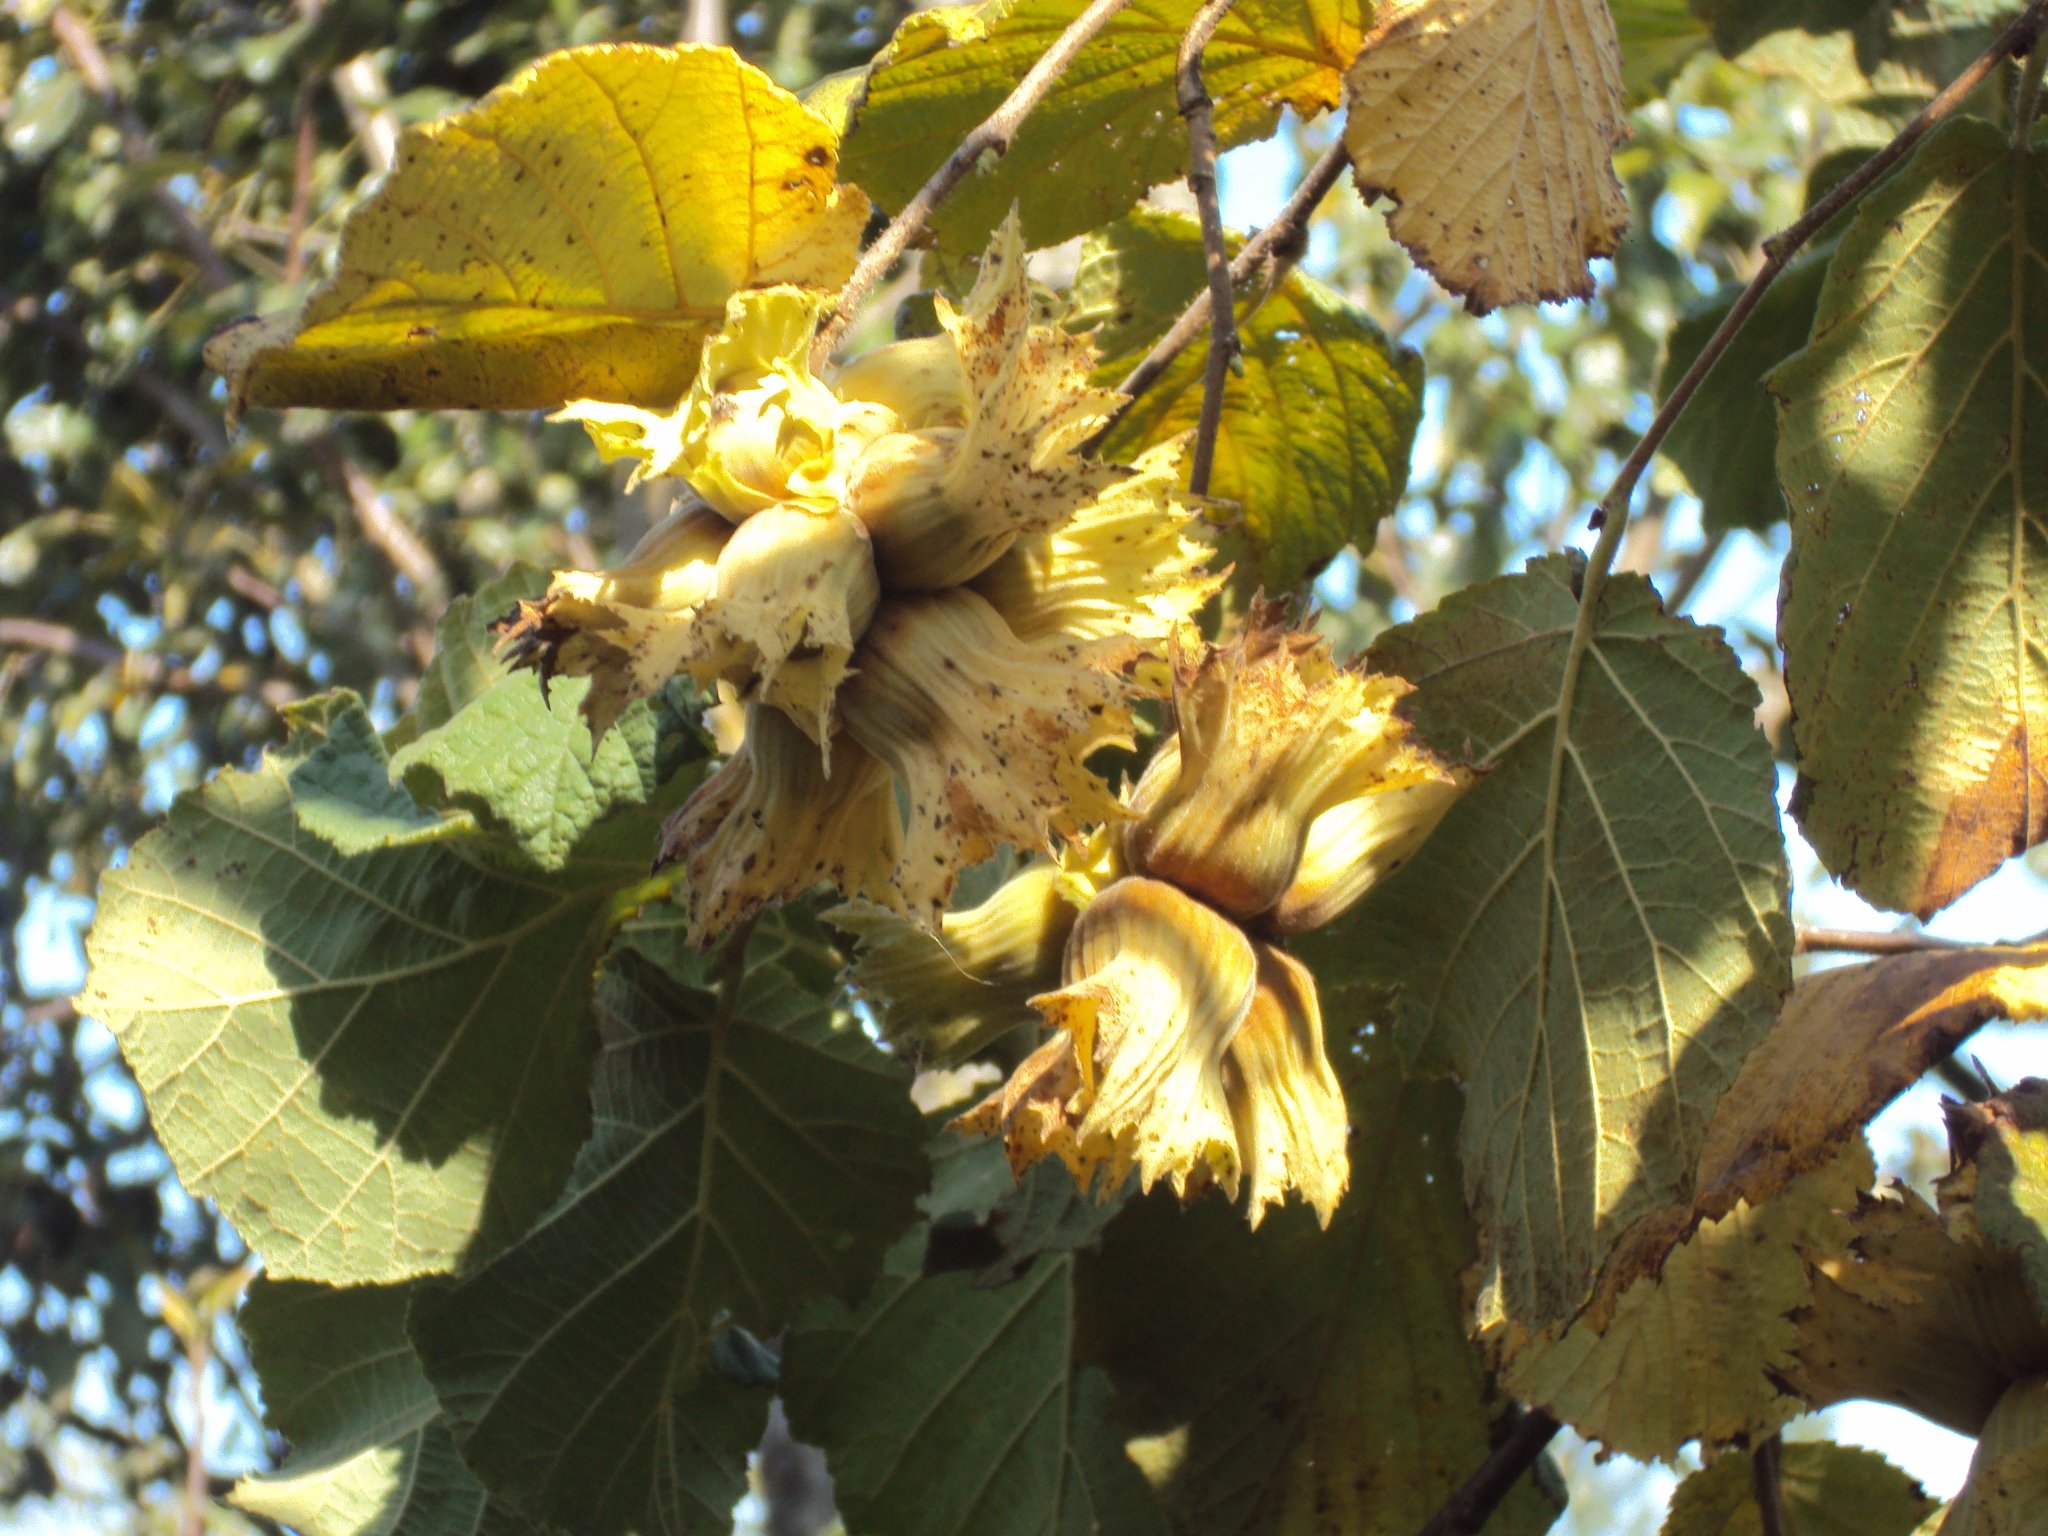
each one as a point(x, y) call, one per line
point(992, 137)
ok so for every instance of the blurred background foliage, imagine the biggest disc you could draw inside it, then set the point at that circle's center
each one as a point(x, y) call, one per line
point(169, 165)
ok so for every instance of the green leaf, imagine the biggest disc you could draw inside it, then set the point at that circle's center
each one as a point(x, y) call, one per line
point(1725, 441)
point(370, 1450)
point(1596, 934)
point(746, 1159)
point(1316, 432)
point(1699, 1351)
point(2001, 1153)
point(947, 1408)
point(1922, 1314)
point(1826, 1490)
point(466, 666)
point(341, 787)
point(1657, 38)
point(2007, 1494)
point(1740, 24)
point(1290, 1381)
point(1868, 67)
point(571, 236)
point(1914, 448)
point(998, 1223)
point(376, 1062)
point(521, 760)
point(1108, 129)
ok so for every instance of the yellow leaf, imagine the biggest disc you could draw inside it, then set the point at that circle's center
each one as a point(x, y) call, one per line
point(2007, 1494)
point(1492, 123)
point(1107, 130)
point(575, 235)
point(1849, 1041)
point(1698, 1352)
point(1914, 1316)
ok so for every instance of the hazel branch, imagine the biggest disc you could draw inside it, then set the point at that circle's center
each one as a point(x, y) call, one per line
point(1199, 112)
point(1473, 1501)
point(142, 669)
point(1611, 516)
point(1278, 246)
point(1808, 941)
point(2015, 40)
point(991, 137)
point(1766, 1484)
point(405, 550)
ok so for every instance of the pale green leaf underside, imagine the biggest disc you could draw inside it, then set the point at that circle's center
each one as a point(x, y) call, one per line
point(1914, 449)
point(1316, 432)
point(1699, 1351)
point(341, 787)
point(1828, 1490)
point(950, 1408)
point(737, 1170)
point(1107, 131)
point(374, 1062)
point(2007, 1493)
point(1657, 37)
point(1598, 990)
point(524, 763)
point(370, 1454)
point(482, 750)
point(1291, 1381)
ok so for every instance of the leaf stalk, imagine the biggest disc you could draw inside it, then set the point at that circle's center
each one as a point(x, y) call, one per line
point(1279, 246)
point(992, 136)
point(1766, 1482)
point(2027, 100)
point(1473, 1501)
point(1199, 112)
point(1611, 516)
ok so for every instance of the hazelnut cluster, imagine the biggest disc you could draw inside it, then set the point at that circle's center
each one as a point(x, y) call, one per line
point(910, 580)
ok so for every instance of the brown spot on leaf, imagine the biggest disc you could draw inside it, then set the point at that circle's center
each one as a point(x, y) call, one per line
point(1848, 1042)
point(2006, 814)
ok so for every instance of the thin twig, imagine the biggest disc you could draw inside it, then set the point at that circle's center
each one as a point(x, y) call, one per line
point(704, 22)
point(244, 582)
point(1691, 568)
point(140, 667)
point(1199, 112)
point(1766, 1465)
point(1280, 244)
point(992, 137)
point(1473, 1501)
point(1611, 516)
point(2027, 99)
point(406, 551)
point(75, 38)
point(1897, 941)
point(302, 187)
point(198, 1489)
point(1965, 1081)
point(42, 635)
point(72, 1419)
point(199, 422)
